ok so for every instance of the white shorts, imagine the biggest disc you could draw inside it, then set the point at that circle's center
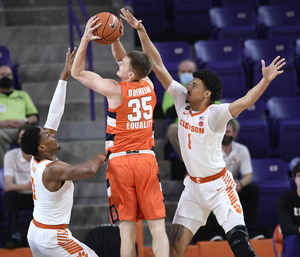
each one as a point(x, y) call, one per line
point(198, 200)
point(55, 242)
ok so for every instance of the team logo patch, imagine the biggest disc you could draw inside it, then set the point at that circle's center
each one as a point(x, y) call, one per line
point(114, 213)
point(200, 123)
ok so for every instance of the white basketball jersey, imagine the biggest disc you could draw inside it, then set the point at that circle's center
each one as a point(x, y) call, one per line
point(201, 148)
point(50, 208)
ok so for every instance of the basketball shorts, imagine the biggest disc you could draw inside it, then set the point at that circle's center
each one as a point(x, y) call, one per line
point(133, 188)
point(56, 242)
point(198, 200)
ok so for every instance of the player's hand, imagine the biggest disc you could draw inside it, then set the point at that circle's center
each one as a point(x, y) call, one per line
point(132, 21)
point(68, 64)
point(90, 27)
point(273, 69)
point(103, 158)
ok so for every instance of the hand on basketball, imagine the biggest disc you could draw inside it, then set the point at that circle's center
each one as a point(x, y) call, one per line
point(68, 64)
point(90, 27)
point(273, 69)
point(132, 21)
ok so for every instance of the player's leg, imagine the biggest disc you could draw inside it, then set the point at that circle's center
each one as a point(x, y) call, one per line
point(128, 238)
point(237, 236)
point(180, 238)
point(160, 243)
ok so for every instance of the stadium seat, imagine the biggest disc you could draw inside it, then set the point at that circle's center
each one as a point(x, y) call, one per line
point(267, 49)
point(254, 134)
point(271, 176)
point(5, 56)
point(5, 59)
point(256, 112)
point(191, 18)
point(280, 21)
point(283, 2)
point(284, 115)
point(224, 58)
point(250, 4)
point(277, 239)
point(236, 23)
point(153, 14)
point(172, 54)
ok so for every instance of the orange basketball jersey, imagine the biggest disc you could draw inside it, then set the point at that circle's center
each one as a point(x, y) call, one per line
point(130, 126)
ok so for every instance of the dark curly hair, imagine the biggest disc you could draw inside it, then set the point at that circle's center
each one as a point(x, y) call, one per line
point(140, 63)
point(212, 82)
point(296, 169)
point(30, 141)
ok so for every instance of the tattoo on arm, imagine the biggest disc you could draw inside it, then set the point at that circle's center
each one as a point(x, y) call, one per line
point(176, 233)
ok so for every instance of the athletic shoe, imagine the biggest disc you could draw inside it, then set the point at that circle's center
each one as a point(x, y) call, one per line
point(216, 238)
point(258, 237)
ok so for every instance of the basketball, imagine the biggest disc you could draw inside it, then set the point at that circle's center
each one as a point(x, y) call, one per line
point(109, 31)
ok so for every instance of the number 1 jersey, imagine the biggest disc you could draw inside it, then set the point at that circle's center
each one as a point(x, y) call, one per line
point(130, 126)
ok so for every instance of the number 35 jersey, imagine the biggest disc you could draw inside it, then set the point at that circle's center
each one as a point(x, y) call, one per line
point(130, 126)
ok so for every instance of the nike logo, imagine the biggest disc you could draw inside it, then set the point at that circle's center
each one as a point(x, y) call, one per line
point(219, 189)
point(114, 23)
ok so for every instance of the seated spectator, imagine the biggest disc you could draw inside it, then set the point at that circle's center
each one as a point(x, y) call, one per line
point(16, 110)
point(17, 184)
point(289, 217)
point(185, 75)
point(238, 162)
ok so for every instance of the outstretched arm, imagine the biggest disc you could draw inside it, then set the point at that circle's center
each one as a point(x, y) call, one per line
point(269, 74)
point(107, 87)
point(117, 48)
point(158, 67)
point(60, 171)
point(57, 104)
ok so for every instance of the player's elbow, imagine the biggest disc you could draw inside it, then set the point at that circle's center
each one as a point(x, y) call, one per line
point(91, 171)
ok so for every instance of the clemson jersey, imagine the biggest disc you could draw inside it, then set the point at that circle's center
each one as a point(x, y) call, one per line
point(51, 208)
point(130, 126)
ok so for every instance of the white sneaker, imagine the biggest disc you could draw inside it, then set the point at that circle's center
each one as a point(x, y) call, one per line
point(258, 237)
point(216, 238)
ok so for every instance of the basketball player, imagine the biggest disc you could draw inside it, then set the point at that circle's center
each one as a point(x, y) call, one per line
point(51, 180)
point(202, 124)
point(132, 174)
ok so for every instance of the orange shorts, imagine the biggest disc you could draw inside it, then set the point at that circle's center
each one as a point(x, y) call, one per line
point(133, 187)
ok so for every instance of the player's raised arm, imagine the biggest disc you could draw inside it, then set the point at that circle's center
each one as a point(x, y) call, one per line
point(158, 67)
point(57, 105)
point(117, 48)
point(269, 73)
point(92, 80)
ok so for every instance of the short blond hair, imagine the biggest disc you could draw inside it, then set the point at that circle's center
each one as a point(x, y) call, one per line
point(236, 127)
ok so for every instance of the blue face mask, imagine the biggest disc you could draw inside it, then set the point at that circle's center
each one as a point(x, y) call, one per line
point(186, 78)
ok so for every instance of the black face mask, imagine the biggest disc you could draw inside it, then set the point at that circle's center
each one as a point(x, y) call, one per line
point(6, 82)
point(227, 140)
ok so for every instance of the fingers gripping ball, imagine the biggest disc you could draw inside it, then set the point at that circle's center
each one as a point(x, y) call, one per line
point(110, 29)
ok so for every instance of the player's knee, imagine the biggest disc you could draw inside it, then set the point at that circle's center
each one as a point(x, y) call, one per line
point(238, 240)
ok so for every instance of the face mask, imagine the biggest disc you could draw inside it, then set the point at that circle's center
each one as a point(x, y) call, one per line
point(227, 140)
point(186, 78)
point(6, 82)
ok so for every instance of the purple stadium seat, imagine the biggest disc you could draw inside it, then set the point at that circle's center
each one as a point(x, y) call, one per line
point(153, 14)
point(6, 60)
point(271, 176)
point(280, 21)
point(232, 23)
point(256, 112)
point(172, 54)
point(254, 134)
point(224, 58)
point(250, 4)
point(191, 18)
point(267, 49)
point(284, 123)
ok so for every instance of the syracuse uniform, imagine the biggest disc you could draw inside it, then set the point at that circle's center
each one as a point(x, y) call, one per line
point(132, 175)
point(208, 186)
point(48, 234)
